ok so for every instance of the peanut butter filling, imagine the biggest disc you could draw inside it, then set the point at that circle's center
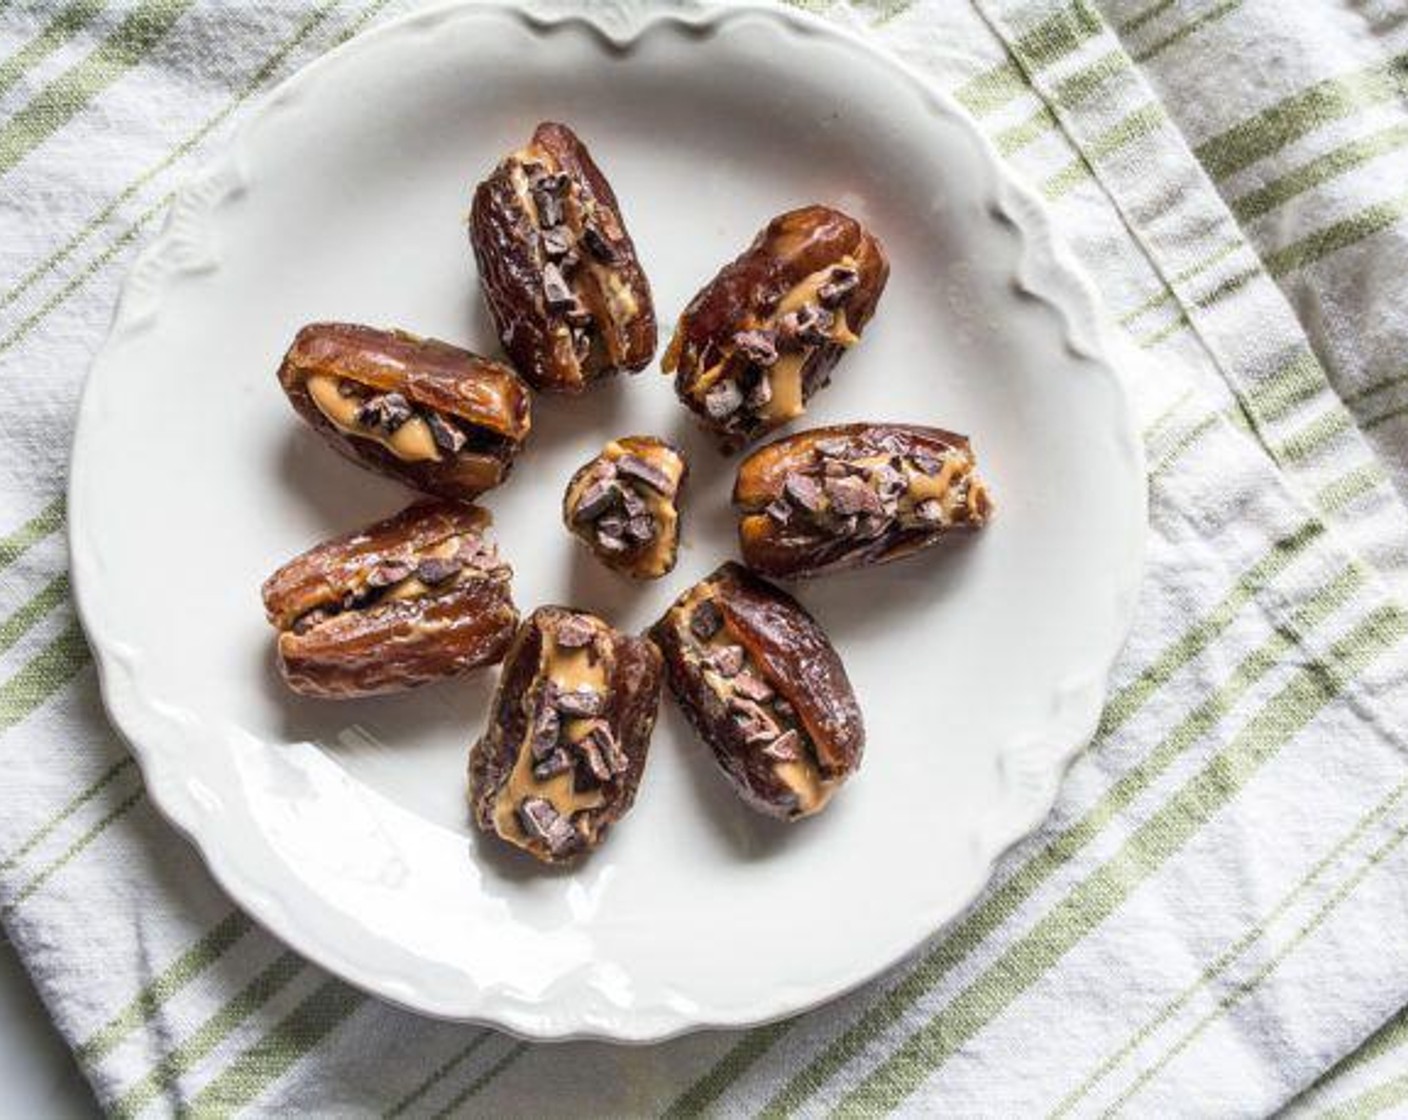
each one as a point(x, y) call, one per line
point(865, 495)
point(428, 572)
point(569, 670)
point(785, 375)
point(411, 441)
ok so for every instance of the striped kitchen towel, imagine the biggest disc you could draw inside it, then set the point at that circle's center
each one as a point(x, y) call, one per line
point(1211, 922)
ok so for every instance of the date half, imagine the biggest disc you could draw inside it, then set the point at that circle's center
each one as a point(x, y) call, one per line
point(559, 271)
point(569, 730)
point(855, 494)
point(761, 683)
point(624, 505)
point(415, 598)
point(438, 418)
point(763, 336)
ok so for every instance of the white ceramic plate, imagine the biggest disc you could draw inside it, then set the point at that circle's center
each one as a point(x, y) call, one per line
point(343, 827)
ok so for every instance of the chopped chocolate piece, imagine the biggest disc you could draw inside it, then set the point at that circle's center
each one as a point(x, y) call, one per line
point(871, 525)
point(573, 632)
point(447, 436)
point(633, 505)
point(641, 529)
point(835, 468)
point(605, 740)
point(723, 399)
point(760, 395)
point(888, 482)
point(759, 347)
point(578, 703)
point(803, 492)
point(706, 621)
point(757, 726)
point(547, 197)
point(852, 495)
point(553, 182)
point(787, 747)
point(437, 569)
point(385, 412)
point(926, 463)
point(633, 466)
point(580, 319)
point(357, 598)
point(556, 290)
point(588, 749)
point(541, 821)
point(727, 662)
point(547, 727)
point(838, 289)
point(555, 763)
point(752, 687)
point(596, 500)
point(478, 553)
point(310, 619)
point(557, 242)
point(809, 324)
point(930, 510)
point(597, 245)
point(385, 574)
point(779, 511)
point(611, 525)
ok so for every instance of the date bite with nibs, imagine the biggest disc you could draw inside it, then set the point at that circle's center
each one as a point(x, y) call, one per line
point(416, 598)
point(764, 688)
point(624, 505)
point(440, 419)
point(564, 285)
point(855, 494)
point(764, 334)
point(569, 730)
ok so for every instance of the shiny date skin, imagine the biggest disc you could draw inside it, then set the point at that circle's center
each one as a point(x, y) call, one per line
point(763, 336)
point(568, 734)
point(564, 285)
point(433, 416)
point(853, 495)
point(762, 685)
point(415, 598)
point(624, 505)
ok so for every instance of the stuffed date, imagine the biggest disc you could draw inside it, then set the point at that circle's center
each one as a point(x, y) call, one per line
point(415, 598)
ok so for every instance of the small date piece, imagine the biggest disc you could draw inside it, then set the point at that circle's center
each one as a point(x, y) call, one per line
point(855, 494)
point(416, 598)
point(763, 336)
point(564, 285)
point(764, 688)
point(569, 730)
point(624, 505)
point(433, 416)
